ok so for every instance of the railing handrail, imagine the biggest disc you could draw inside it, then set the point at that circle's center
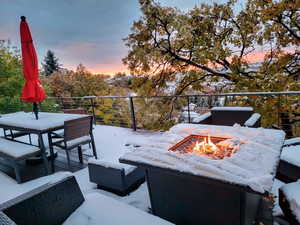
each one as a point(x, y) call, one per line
point(195, 95)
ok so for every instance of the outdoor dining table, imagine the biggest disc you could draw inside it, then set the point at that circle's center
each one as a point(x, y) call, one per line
point(47, 123)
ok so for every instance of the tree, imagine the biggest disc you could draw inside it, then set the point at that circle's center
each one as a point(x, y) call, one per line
point(51, 63)
point(281, 20)
point(10, 70)
point(82, 83)
point(11, 79)
point(212, 42)
point(77, 83)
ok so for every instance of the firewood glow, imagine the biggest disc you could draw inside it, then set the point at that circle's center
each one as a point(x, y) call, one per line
point(212, 147)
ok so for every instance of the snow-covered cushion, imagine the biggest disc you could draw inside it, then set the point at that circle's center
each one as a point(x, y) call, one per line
point(199, 118)
point(252, 120)
point(79, 140)
point(292, 141)
point(292, 194)
point(74, 142)
point(16, 150)
point(114, 165)
point(100, 209)
point(232, 108)
point(291, 154)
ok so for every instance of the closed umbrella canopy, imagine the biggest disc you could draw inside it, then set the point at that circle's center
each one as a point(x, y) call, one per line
point(33, 90)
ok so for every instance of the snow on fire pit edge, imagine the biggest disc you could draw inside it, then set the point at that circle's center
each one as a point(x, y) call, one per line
point(254, 165)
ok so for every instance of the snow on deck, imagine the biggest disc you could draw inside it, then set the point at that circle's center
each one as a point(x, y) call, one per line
point(110, 144)
point(254, 165)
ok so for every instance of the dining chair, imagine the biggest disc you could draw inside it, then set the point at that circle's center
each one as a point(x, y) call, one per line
point(77, 132)
point(59, 133)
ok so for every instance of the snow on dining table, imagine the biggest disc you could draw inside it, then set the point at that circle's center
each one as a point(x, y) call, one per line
point(45, 121)
point(254, 165)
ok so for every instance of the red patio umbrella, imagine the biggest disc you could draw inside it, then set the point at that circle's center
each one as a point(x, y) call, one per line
point(32, 90)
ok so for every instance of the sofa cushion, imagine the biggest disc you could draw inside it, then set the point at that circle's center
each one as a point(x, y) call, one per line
point(100, 209)
point(291, 154)
point(15, 150)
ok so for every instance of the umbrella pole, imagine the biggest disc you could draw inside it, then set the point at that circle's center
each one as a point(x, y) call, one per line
point(36, 110)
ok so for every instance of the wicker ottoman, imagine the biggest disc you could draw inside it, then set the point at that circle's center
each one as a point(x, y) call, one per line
point(118, 178)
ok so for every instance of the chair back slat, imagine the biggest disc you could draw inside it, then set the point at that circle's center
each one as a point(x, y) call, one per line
point(75, 111)
point(77, 128)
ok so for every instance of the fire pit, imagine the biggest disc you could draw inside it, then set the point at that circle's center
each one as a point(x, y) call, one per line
point(203, 174)
point(213, 147)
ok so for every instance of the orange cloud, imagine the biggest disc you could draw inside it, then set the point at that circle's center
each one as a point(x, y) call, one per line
point(256, 56)
point(97, 58)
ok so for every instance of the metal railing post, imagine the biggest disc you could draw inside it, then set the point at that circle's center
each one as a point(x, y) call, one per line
point(188, 106)
point(278, 110)
point(131, 106)
point(93, 109)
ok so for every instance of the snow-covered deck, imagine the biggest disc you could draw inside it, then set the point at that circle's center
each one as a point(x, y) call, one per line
point(112, 143)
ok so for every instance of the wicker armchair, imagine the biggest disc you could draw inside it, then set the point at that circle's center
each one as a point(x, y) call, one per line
point(228, 116)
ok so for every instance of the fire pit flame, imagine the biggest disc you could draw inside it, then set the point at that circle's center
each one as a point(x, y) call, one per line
point(213, 147)
point(205, 146)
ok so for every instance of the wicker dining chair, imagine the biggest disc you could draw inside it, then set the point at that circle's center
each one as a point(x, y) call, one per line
point(77, 132)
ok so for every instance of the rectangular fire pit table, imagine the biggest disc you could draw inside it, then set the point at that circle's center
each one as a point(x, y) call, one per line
point(191, 189)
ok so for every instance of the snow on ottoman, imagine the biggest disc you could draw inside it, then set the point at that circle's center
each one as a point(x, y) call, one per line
point(116, 177)
point(289, 201)
point(289, 167)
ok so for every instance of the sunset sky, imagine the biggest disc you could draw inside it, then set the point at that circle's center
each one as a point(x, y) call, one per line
point(78, 31)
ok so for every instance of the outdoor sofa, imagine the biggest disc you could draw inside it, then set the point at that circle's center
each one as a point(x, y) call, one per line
point(228, 116)
point(62, 202)
point(289, 166)
point(290, 203)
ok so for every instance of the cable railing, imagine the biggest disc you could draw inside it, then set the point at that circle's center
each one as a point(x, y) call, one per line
point(278, 109)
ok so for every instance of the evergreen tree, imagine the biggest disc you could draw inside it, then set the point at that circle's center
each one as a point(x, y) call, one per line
point(51, 64)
